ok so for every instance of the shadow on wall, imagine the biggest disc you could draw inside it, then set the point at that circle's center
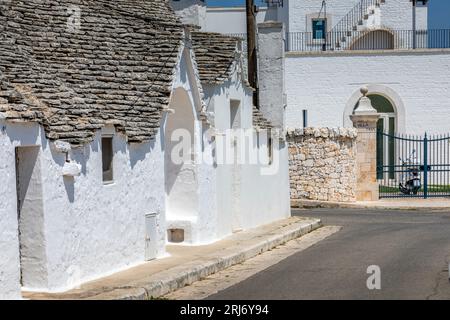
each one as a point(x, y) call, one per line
point(139, 151)
point(69, 185)
point(374, 40)
point(32, 134)
point(25, 133)
point(177, 157)
point(28, 161)
point(181, 183)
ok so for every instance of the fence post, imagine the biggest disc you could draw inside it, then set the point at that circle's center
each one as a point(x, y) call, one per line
point(425, 165)
point(365, 119)
point(287, 42)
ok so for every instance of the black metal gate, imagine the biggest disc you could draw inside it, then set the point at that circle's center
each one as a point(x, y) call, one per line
point(413, 166)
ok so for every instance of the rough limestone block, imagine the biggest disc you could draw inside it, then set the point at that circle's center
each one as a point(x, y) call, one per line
point(322, 164)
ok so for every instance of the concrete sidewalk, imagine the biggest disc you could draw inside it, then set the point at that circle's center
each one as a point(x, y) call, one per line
point(188, 264)
point(432, 204)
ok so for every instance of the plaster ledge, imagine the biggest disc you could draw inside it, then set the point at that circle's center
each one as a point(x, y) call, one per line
point(399, 52)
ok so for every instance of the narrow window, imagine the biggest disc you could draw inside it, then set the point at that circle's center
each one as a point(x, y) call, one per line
point(270, 146)
point(305, 118)
point(319, 27)
point(235, 119)
point(257, 139)
point(107, 158)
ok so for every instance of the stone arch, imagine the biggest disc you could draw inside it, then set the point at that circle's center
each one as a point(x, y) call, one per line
point(386, 92)
point(181, 177)
point(380, 39)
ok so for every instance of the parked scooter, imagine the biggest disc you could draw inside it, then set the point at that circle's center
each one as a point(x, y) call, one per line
point(410, 179)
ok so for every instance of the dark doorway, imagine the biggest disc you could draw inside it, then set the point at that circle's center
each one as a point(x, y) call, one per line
point(30, 214)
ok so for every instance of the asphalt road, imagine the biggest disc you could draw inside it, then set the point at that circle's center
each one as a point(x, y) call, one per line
point(411, 248)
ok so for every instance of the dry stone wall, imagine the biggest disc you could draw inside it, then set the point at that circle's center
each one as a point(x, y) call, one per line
point(322, 164)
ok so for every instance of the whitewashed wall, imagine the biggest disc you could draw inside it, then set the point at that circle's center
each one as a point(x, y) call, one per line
point(271, 72)
point(233, 20)
point(293, 15)
point(325, 83)
point(217, 99)
point(91, 229)
point(247, 197)
point(201, 227)
point(300, 9)
point(265, 198)
point(296, 15)
point(9, 242)
point(101, 228)
point(397, 14)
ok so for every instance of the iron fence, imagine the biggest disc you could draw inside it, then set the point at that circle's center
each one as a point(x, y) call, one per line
point(357, 15)
point(401, 159)
point(376, 39)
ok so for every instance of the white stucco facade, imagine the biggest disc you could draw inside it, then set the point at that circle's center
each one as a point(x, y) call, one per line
point(398, 15)
point(233, 20)
point(89, 228)
point(190, 187)
point(327, 85)
point(9, 237)
point(250, 194)
point(74, 227)
point(393, 14)
point(296, 15)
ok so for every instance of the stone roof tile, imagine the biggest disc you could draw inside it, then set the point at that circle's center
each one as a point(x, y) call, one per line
point(259, 121)
point(116, 68)
point(215, 54)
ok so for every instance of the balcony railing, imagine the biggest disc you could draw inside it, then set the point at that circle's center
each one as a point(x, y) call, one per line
point(379, 39)
point(355, 17)
point(274, 3)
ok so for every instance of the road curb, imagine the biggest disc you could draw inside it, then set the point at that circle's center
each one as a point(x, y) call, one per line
point(178, 277)
point(313, 204)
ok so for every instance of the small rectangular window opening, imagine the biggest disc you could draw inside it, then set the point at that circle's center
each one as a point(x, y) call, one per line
point(319, 27)
point(107, 159)
point(270, 147)
point(305, 118)
point(235, 119)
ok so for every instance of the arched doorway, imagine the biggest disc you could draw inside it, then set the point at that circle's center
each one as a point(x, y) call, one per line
point(374, 40)
point(387, 124)
point(386, 111)
point(379, 90)
point(392, 119)
point(181, 178)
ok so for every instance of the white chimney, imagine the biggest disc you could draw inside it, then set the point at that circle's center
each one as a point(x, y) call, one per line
point(272, 97)
point(191, 12)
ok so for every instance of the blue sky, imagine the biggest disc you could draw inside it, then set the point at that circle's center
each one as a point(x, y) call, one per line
point(439, 14)
point(439, 11)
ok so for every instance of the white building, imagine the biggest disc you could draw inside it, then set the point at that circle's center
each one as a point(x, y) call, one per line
point(335, 47)
point(92, 108)
point(298, 15)
point(366, 43)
